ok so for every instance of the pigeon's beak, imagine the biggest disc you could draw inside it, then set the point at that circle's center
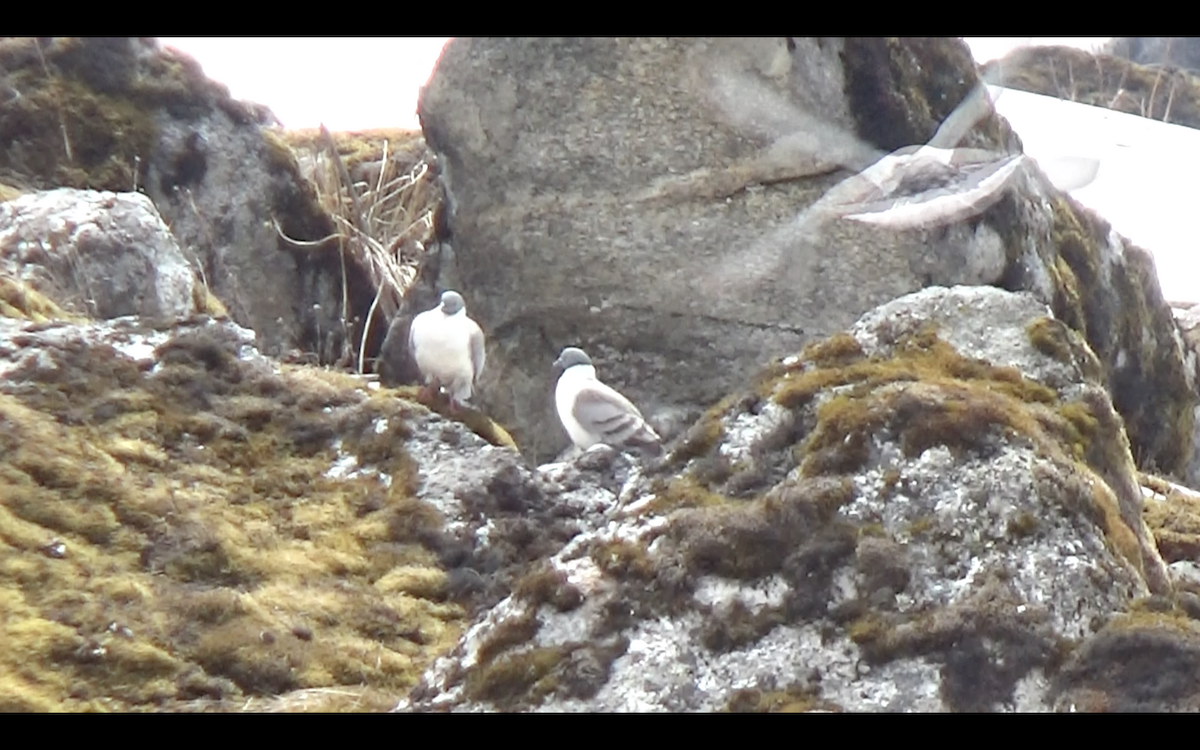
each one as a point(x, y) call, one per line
point(558, 363)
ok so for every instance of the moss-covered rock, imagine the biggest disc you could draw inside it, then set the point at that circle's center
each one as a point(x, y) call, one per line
point(941, 503)
point(1106, 289)
point(185, 525)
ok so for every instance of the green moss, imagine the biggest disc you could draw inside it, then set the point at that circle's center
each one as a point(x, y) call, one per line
point(517, 677)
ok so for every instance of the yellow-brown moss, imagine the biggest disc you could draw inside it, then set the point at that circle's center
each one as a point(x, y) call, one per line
point(789, 701)
point(86, 114)
point(19, 300)
point(8, 192)
point(749, 539)
point(244, 560)
point(1130, 328)
point(548, 585)
point(1049, 336)
point(923, 394)
point(516, 677)
point(683, 492)
point(930, 395)
point(356, 147)
point(204, 302)
point(838, 350)
point(1022, 525)
point(1140, 618)
point(623, 560)
point(702, 437)
point(922, 357)
point(1175, 523)
point(71, 134)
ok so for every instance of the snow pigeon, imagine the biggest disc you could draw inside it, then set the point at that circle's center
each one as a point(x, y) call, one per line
point(593, 413)
point(448, 348)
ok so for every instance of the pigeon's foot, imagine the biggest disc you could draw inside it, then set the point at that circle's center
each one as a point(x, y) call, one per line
point(599, 457)
point(430, 395)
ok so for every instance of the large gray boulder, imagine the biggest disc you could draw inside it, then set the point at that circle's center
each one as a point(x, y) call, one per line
point(665, 204)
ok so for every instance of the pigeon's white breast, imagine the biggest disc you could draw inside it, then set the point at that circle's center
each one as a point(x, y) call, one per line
point(564, 399)
point(443, 346)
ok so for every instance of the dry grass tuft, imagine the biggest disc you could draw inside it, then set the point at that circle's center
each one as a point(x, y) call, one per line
point(380, 188)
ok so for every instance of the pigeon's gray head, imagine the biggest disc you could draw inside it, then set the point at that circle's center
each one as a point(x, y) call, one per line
point(571, 357)
point(452, 302)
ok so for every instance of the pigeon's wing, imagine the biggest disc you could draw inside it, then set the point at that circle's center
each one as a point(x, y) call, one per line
point(607, 414)
point(478, 356)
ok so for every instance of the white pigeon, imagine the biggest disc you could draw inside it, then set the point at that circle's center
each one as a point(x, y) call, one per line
point(593, 413)
point(448, 348)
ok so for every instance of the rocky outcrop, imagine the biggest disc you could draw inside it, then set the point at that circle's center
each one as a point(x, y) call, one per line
point(98, 254)
point(666, 205)
point(188, 525)
point(123, 114)
point(935, 511)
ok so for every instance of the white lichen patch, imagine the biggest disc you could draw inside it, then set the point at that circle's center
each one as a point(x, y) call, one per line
point(721, 593)
point(961, 520)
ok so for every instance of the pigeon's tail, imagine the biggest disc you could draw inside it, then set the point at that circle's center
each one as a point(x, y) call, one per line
point(646, 441)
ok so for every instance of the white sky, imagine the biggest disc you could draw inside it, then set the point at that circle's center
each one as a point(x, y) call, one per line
point(349, 84)
point(985, 48)
point(357, 83)
point(1142, 186)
